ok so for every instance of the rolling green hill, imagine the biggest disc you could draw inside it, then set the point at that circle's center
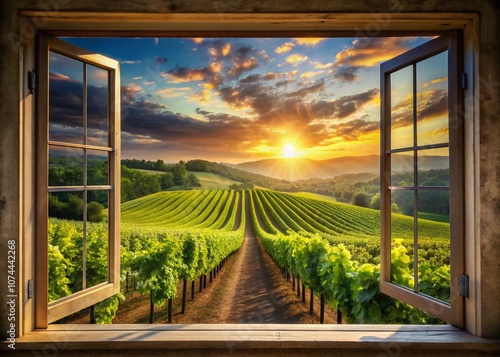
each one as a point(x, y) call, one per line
point(208, 180)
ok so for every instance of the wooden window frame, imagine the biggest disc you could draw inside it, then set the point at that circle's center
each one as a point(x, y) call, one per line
point(49, 312)
point(282, 24)
point(451, 42)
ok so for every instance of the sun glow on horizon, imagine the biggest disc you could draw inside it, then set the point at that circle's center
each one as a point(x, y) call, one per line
point(289, 151)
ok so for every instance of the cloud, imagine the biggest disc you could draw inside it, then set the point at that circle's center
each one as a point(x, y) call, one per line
point(284, 48)
point(284, 83)
point(66, 110)
point(129, 91)
point(130, 61)
point(371, 51)
point(347, 74)
point(344, 106)
point(354, 129)
point(255, 96)
point(244, 60)
point(319, 65)
point(160, 60)
point(435, 81)
point(302, 92)
point(430, 104)
point(185, 74)
point(138, 77)
point(311, 42)
point(173, 92)
point(197, 40)
point(220, 49)
point(309, 74)
point(58, 76)
point(296, 59)
point(269, 76)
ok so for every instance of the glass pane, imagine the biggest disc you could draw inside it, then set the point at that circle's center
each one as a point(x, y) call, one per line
point(65, 166)
point(65, 243)
point(97, 238)
point(65, 99)
point(402, 233)
point(434, 244)
point(97, 167)
point(402, 169)
point(97, 106)
point(402, 108)
point(434, 167)
point(432, 100)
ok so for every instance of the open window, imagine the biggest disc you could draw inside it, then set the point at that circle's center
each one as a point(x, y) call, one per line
point(78, 118)
point(421, 120)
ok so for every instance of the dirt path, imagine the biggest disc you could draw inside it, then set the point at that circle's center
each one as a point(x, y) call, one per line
point(250, 296)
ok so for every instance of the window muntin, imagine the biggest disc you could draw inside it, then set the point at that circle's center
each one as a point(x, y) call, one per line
point(77, 179)
point(422, 170)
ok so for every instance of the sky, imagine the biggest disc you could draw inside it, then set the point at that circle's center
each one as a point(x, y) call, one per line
point(244, 99)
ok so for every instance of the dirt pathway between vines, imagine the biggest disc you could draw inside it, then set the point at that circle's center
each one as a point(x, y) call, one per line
point(250, 296)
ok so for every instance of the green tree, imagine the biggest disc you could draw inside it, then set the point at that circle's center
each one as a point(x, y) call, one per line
point(361, 199)
point(193, 180)
point(95, 212)
point(375, 201)
point(197, 165)
point(180, 174)
point(166, 180)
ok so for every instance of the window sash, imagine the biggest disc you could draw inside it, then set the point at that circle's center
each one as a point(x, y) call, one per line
point(45, 312)
point(453, 312)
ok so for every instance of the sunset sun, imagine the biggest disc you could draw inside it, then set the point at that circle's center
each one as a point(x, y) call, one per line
point(289, 151)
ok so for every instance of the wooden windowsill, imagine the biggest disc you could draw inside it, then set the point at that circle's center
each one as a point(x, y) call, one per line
point(293, 339)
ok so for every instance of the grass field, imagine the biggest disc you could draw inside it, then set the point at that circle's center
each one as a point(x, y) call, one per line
point(210, 181)
point(315, 196)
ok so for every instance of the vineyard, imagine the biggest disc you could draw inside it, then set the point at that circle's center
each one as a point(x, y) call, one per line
point(176, 237)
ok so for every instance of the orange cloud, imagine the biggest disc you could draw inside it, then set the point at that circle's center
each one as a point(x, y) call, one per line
point(436, 80)
point(59, 76)
point(367, 52)
point(319, 65)
point(310, 74)
point(308, 41)
point(296, 59)
point(197, 40)
point(286, 47)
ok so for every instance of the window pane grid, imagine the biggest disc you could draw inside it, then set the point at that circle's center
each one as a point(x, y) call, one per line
point(83, 152)
point(407, 163)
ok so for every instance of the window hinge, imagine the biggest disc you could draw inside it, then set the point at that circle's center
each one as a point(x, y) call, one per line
point(30, 288)
point(463, 80)
point(464, 285)
point(32, 81)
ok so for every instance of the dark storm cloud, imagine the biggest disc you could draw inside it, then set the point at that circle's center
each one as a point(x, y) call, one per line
point(346, 74)
point(352, 130)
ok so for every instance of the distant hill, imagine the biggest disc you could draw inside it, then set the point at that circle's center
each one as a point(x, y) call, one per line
point(298, 169)
point(210, 181)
